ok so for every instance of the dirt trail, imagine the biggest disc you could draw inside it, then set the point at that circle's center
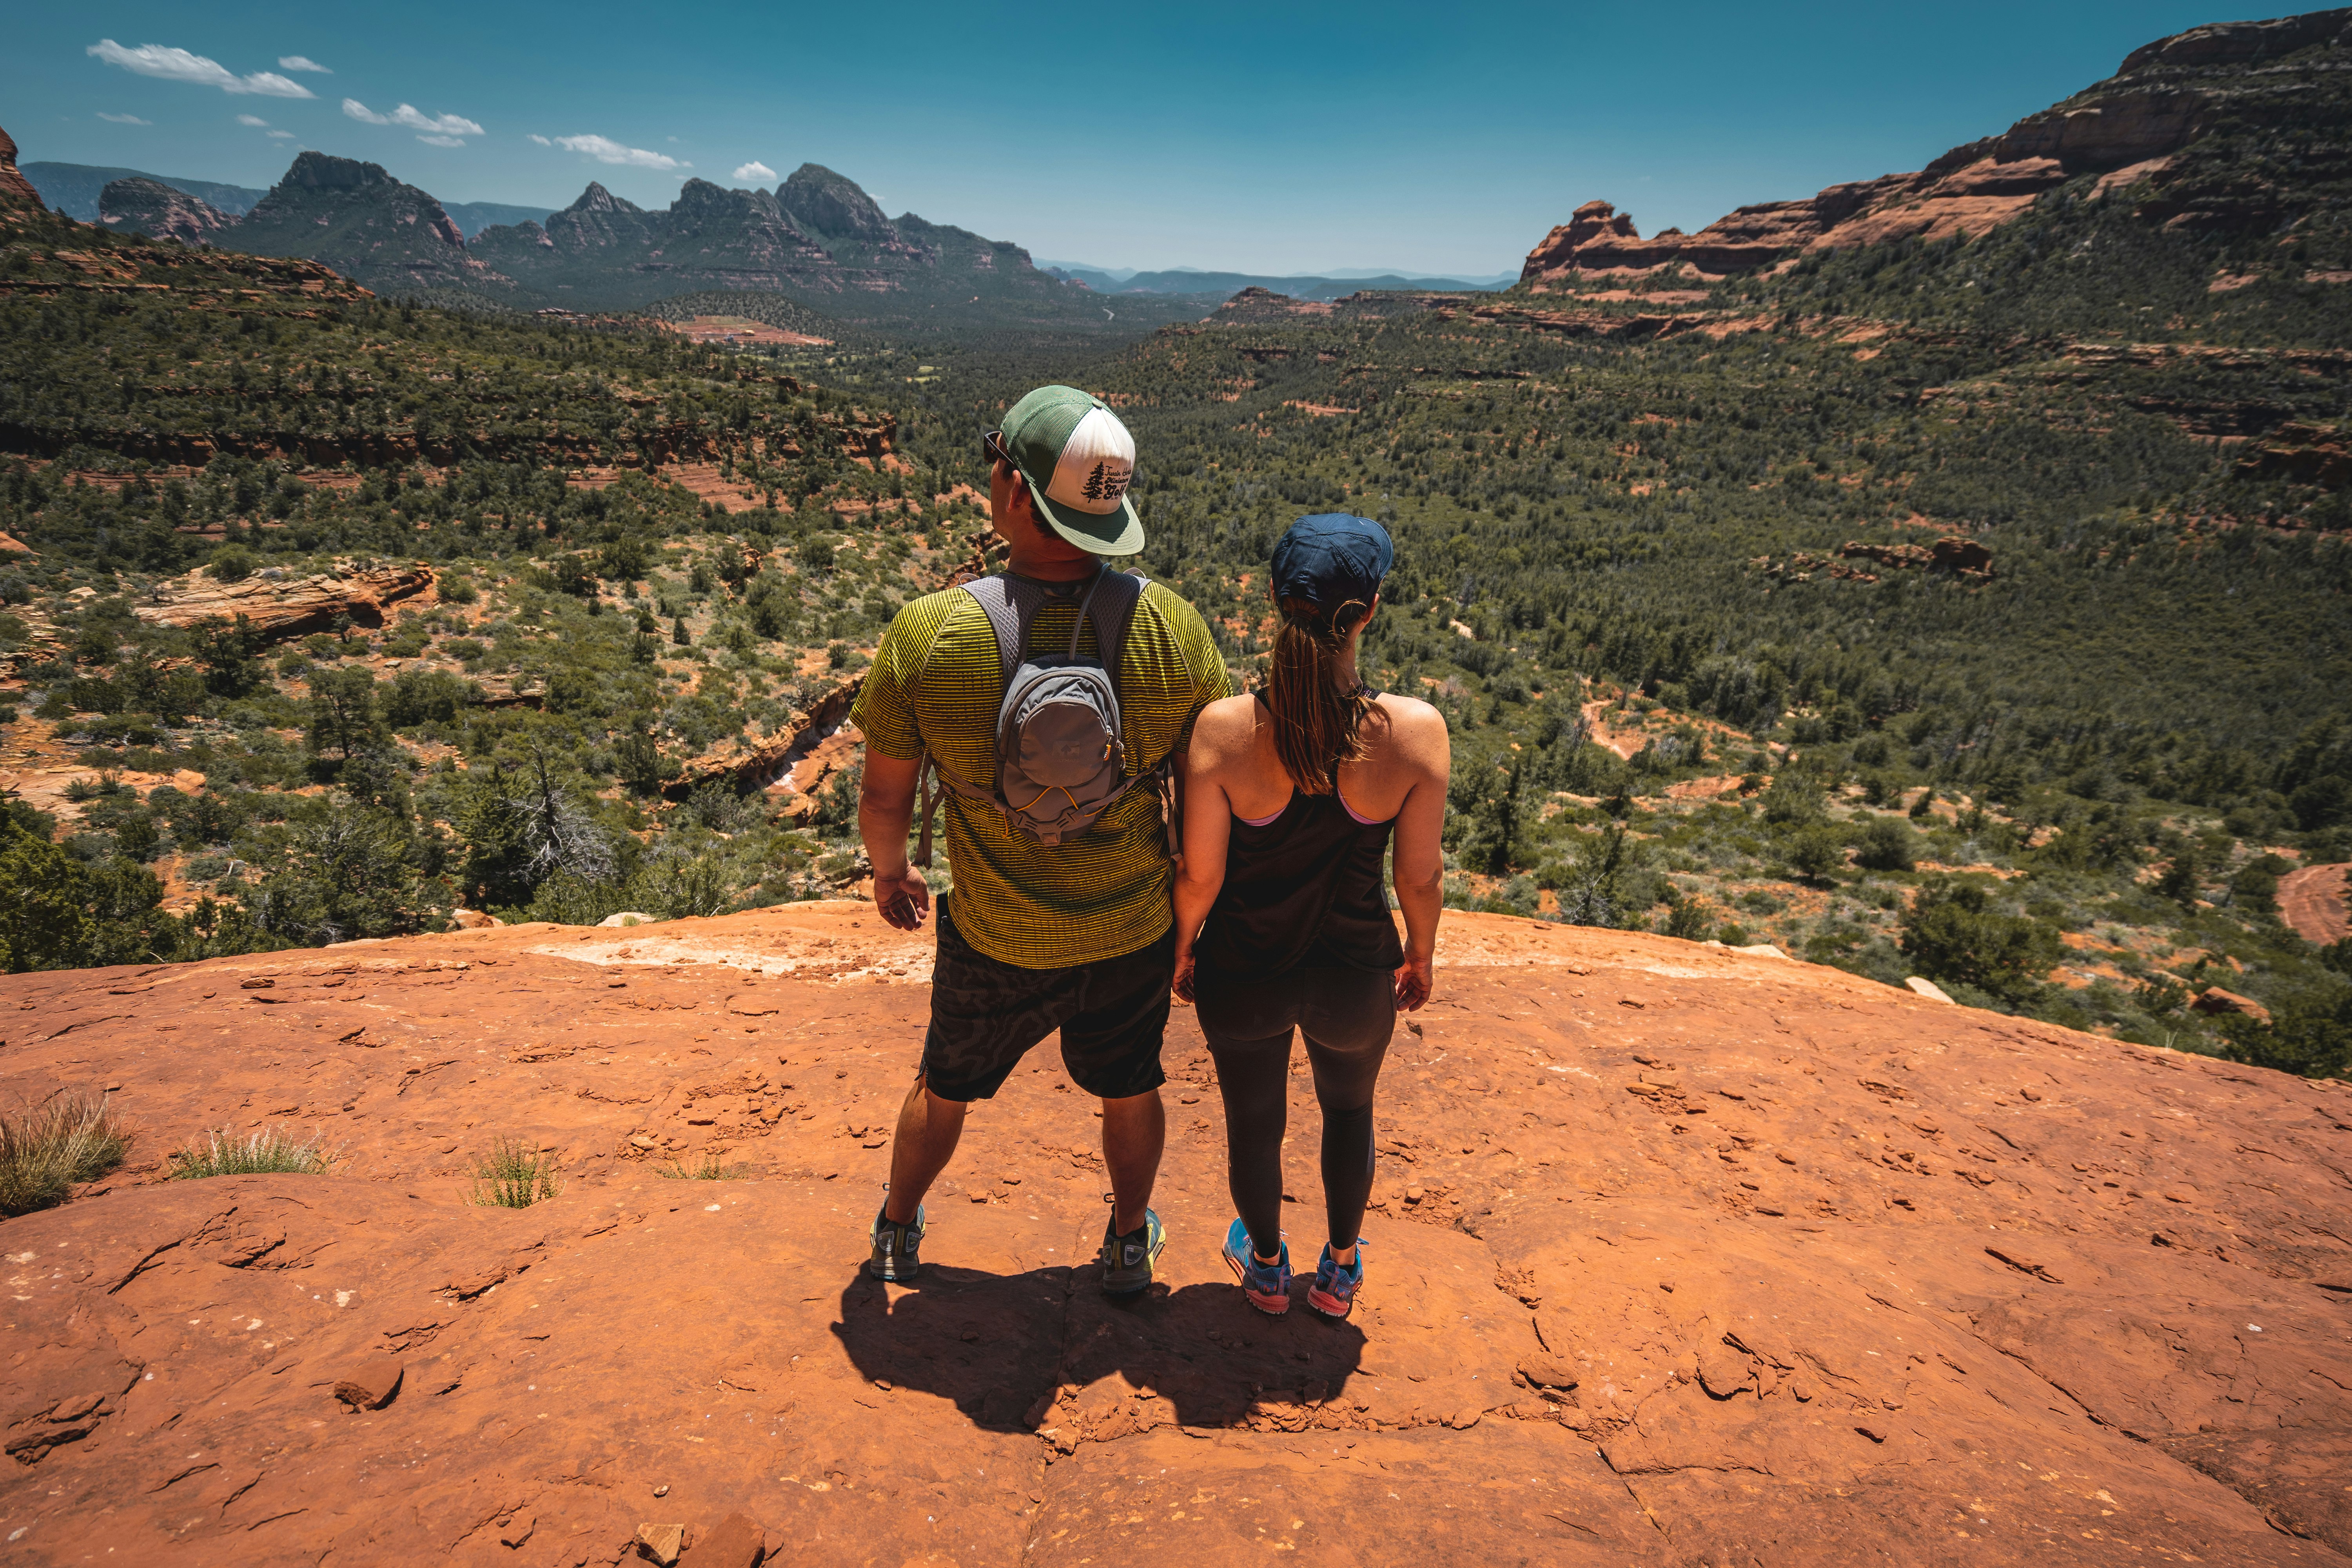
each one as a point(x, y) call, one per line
point(2314, 902)
point(1676, 1255)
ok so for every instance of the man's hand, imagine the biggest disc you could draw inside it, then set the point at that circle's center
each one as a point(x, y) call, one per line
point(1414, 979)
point(904, 899)
point(1181, 986)
point(885, 810)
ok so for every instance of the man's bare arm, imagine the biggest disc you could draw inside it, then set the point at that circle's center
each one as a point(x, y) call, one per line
point(885, 809)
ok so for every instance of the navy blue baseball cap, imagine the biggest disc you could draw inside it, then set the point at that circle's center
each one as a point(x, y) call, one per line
point(1331, 558)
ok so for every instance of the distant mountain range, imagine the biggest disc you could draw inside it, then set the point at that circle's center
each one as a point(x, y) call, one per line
point(74, 189)
point(1222, 285)
point(817, 236)
point(817, 239)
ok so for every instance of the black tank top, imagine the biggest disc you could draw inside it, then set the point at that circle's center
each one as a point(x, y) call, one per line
point(1303, 891)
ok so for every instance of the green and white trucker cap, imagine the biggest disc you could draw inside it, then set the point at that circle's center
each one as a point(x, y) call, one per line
point(1078, 459)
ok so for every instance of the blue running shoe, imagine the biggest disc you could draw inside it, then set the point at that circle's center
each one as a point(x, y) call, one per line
point(1333, 1294)
point(1268, 1285)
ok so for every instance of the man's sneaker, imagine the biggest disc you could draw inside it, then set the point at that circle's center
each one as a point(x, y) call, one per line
point(896, 1247)
point(1333, 1294)
point(1127, 1259)
point(1268, 1285)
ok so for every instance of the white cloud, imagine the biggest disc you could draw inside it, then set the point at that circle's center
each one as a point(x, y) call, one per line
point(755, 170)
point(123, 119)
point(414, 118)
point(540, 139)
point(442, 140)
point(301, 63)
point(605, 149)
point(254, 120)
point(179, 64)
point(282, 135)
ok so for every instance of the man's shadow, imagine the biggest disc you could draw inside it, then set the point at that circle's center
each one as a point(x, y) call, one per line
point(999, 1345)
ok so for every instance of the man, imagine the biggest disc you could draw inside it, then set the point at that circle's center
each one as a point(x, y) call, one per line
point(1076, 936)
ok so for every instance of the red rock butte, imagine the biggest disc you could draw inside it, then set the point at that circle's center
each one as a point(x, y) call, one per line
point(1678, 1254)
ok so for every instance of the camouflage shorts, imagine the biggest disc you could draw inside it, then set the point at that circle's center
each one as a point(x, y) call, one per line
point(986, 1015)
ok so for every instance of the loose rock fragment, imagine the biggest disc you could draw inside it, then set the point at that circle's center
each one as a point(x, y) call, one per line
point(371, 1386)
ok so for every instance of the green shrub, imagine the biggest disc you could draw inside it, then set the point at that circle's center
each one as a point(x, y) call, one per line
point(1684, 918)
point(45, 1149)
point(1952, 931)
point(2311, 1034)
point(1816, 852)
point(514, 1177)
point(264, 1152)
point(1887, 845)
point(1793, 798)
point(231, 563)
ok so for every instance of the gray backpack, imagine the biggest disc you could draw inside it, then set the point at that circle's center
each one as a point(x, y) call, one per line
point(1060, 763)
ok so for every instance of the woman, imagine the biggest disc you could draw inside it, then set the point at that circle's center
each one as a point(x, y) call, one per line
point(1291, 794)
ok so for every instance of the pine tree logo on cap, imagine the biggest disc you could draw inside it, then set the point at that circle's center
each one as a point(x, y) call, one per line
point(1078, 460)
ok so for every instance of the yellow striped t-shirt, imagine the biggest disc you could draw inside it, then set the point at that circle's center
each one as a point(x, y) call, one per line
point(935, 683)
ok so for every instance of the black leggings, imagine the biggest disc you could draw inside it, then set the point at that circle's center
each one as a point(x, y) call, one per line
point(1347, 1016)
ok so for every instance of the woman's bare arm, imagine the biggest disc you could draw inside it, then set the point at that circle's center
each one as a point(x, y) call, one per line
point(1208, 827)
point(1419, 866)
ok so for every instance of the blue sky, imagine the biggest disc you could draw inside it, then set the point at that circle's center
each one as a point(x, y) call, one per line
point(1428, 138)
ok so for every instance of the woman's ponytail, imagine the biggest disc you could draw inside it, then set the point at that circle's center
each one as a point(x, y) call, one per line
point(1318, 725)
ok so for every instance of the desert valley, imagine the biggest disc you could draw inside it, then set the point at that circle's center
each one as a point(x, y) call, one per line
point(1888, 1095)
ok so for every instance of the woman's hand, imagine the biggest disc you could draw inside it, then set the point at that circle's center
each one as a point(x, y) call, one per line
point(1183, 984)
point(904, 899)
point(1415, 978)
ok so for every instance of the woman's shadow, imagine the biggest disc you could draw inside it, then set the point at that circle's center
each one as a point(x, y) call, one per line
point(999, 1345)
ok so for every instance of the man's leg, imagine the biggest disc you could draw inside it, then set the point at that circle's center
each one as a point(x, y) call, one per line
point(929, 1128)
point(1135, 1130)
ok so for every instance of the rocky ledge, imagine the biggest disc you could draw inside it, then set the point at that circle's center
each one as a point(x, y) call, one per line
point(1677, 1256)
point(278, 605)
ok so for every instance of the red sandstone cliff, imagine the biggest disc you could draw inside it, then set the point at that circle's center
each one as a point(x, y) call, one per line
point(2132, 129)
point(15, 189)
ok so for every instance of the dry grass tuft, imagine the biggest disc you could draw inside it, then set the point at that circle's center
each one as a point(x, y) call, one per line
point(47, 1149)
point(512, 1176)
point(268, 1151)
point(710, 1169)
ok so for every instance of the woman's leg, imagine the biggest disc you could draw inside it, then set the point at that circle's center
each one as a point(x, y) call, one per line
point(1248, 1028)
point(1347, 1016)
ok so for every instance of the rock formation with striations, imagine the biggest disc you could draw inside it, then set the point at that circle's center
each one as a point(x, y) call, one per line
point(365, 223)
point(1678, 1254)
point(15, 189)
point(817, 234)
point(2224, 128)
point(151, 207)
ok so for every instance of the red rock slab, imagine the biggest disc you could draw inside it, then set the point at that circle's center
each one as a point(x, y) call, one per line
point(2047, 1297)
point(1516, 1492)
point(2316, 902)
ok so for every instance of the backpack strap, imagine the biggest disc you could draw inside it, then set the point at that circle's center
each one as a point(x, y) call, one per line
point(1114, 617)
point(1009, 603)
